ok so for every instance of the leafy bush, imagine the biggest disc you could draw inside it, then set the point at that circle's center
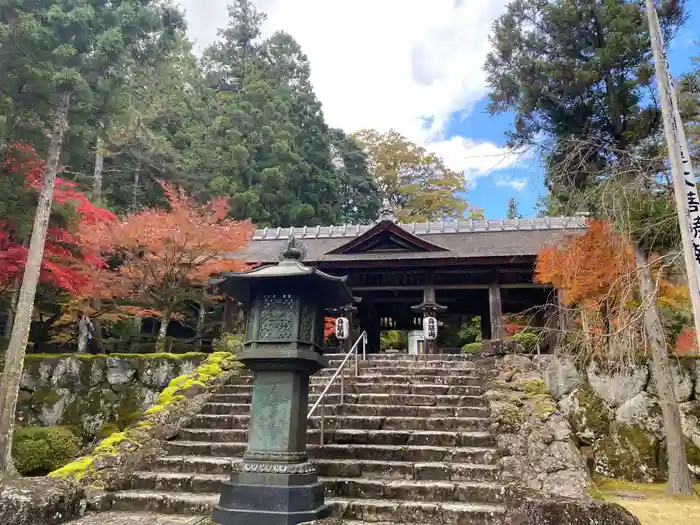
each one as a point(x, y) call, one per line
point(232, 343)
point(529, 340)
point(393, 339)
point(471, 348)
point(39, 450)
point(471, 332)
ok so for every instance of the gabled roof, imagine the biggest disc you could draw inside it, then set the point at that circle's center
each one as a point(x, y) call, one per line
point(464, 239)
point(386, 236)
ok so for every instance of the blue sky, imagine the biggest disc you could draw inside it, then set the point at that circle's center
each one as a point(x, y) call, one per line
point(414, 66)
point(492, 192)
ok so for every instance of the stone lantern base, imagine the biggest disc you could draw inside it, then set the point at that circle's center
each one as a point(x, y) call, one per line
point(272, 499)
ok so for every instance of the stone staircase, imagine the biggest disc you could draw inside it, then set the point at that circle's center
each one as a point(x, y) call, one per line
point(409, 445)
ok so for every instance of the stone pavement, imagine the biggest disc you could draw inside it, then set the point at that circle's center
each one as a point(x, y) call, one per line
point(138, 518)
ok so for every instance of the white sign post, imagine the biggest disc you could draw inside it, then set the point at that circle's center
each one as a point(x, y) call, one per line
point(684, 185)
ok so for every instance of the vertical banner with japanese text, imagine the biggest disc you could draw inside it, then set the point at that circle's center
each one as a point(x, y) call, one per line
point(685, 188)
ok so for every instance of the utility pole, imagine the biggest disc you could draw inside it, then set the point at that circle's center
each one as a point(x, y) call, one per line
point(685, 189)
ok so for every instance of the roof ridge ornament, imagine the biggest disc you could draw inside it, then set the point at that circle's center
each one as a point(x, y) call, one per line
point(294, 250)
point(387, 214)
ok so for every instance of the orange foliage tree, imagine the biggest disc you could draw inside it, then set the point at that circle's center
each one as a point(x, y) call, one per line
point(596, 274)
point(164, 256)
point(588, 267)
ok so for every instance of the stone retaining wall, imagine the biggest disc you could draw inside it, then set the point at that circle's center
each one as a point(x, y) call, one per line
point(96, 394)
point(616, 416)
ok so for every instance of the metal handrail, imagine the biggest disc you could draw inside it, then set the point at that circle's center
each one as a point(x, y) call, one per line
point(322, 398)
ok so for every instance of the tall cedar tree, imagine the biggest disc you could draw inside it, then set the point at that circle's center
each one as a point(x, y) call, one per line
point(415, 184)
point(578, 70)
point(513, 212)
point(167, 256)
point(55, 47)
point(270, 149)
point(581, 77)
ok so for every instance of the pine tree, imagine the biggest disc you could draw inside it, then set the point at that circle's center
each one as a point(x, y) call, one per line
point(513, 210)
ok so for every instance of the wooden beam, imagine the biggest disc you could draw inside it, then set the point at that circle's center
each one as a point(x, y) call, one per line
point(450, 287)
point(496, 312)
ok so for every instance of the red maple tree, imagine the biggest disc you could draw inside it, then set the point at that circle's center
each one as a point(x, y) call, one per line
point(68, 262)
point(165, 256)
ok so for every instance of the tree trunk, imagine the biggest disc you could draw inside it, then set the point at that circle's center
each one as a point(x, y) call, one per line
point(99, 165)
point(12, 309)
point(135, 198)
point(162, 332)
point(14, 359)
point(200, 326)
point(679, 481)
point(14, 300)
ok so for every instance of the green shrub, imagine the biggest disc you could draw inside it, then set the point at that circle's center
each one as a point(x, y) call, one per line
point(39, 450)
point(471, 332)
point(528, 340)
point(393, 339)
point(232, 343)
point(471, 348)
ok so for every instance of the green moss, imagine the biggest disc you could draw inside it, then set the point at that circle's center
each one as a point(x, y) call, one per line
point(38, 450)
point(106, 430)
point(88, 357)
point(592, 418)
point(214, 366)
point(77, 469)
point(532, 387)
point(527, 339)
point(544, 407)
point(511, 419)
point(472, 348)
point(628, 453)
point(45, 397)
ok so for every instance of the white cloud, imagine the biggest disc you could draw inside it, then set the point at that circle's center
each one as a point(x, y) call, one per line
point(517, 183)
point(388, 64)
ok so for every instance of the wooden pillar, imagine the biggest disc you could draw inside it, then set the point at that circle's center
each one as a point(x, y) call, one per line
point(552, 322)
point(229, 315)
point(496, 312)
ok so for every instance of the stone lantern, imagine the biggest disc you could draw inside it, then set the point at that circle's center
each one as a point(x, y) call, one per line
point(275, 484)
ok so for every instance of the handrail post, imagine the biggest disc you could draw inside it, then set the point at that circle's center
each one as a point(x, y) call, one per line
point(364, 346)
point(357, 368)
point(323, 418)
point(342, 386)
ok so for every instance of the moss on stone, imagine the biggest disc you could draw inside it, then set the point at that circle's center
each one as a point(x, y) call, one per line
point(592, 418)
point(131, 437)
point(76, 470)
point(533, 387)
point(511, 419)
point(544, 406)
point(45, 397)
point(472, 348)
point(628, 453)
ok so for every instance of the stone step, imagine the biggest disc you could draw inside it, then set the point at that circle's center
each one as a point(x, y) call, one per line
point(403, 357)
point(404, 363)
point(379, 388)
point(346, 421)
point(243, 409)
point(362, 510)
point(398, 388)
point(408, 411)
point(347, 437)
point(466, 378)
point(165, 503)
point(345, 468)
point(416, 490)
point(379, 399)
point(402, 369)
point(416, 512)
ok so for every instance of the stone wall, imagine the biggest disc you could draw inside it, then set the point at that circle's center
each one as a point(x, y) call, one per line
point(536, 445)
point(95, 395)
point(616, 417)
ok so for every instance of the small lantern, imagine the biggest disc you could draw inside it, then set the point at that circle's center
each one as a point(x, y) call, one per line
point(430, 328)
point(342, 328)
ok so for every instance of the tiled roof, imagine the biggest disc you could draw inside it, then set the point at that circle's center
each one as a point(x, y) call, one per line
point(464, 239)
point(424, 228)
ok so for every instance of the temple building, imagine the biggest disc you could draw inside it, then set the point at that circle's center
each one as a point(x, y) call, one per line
point(454, 270)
